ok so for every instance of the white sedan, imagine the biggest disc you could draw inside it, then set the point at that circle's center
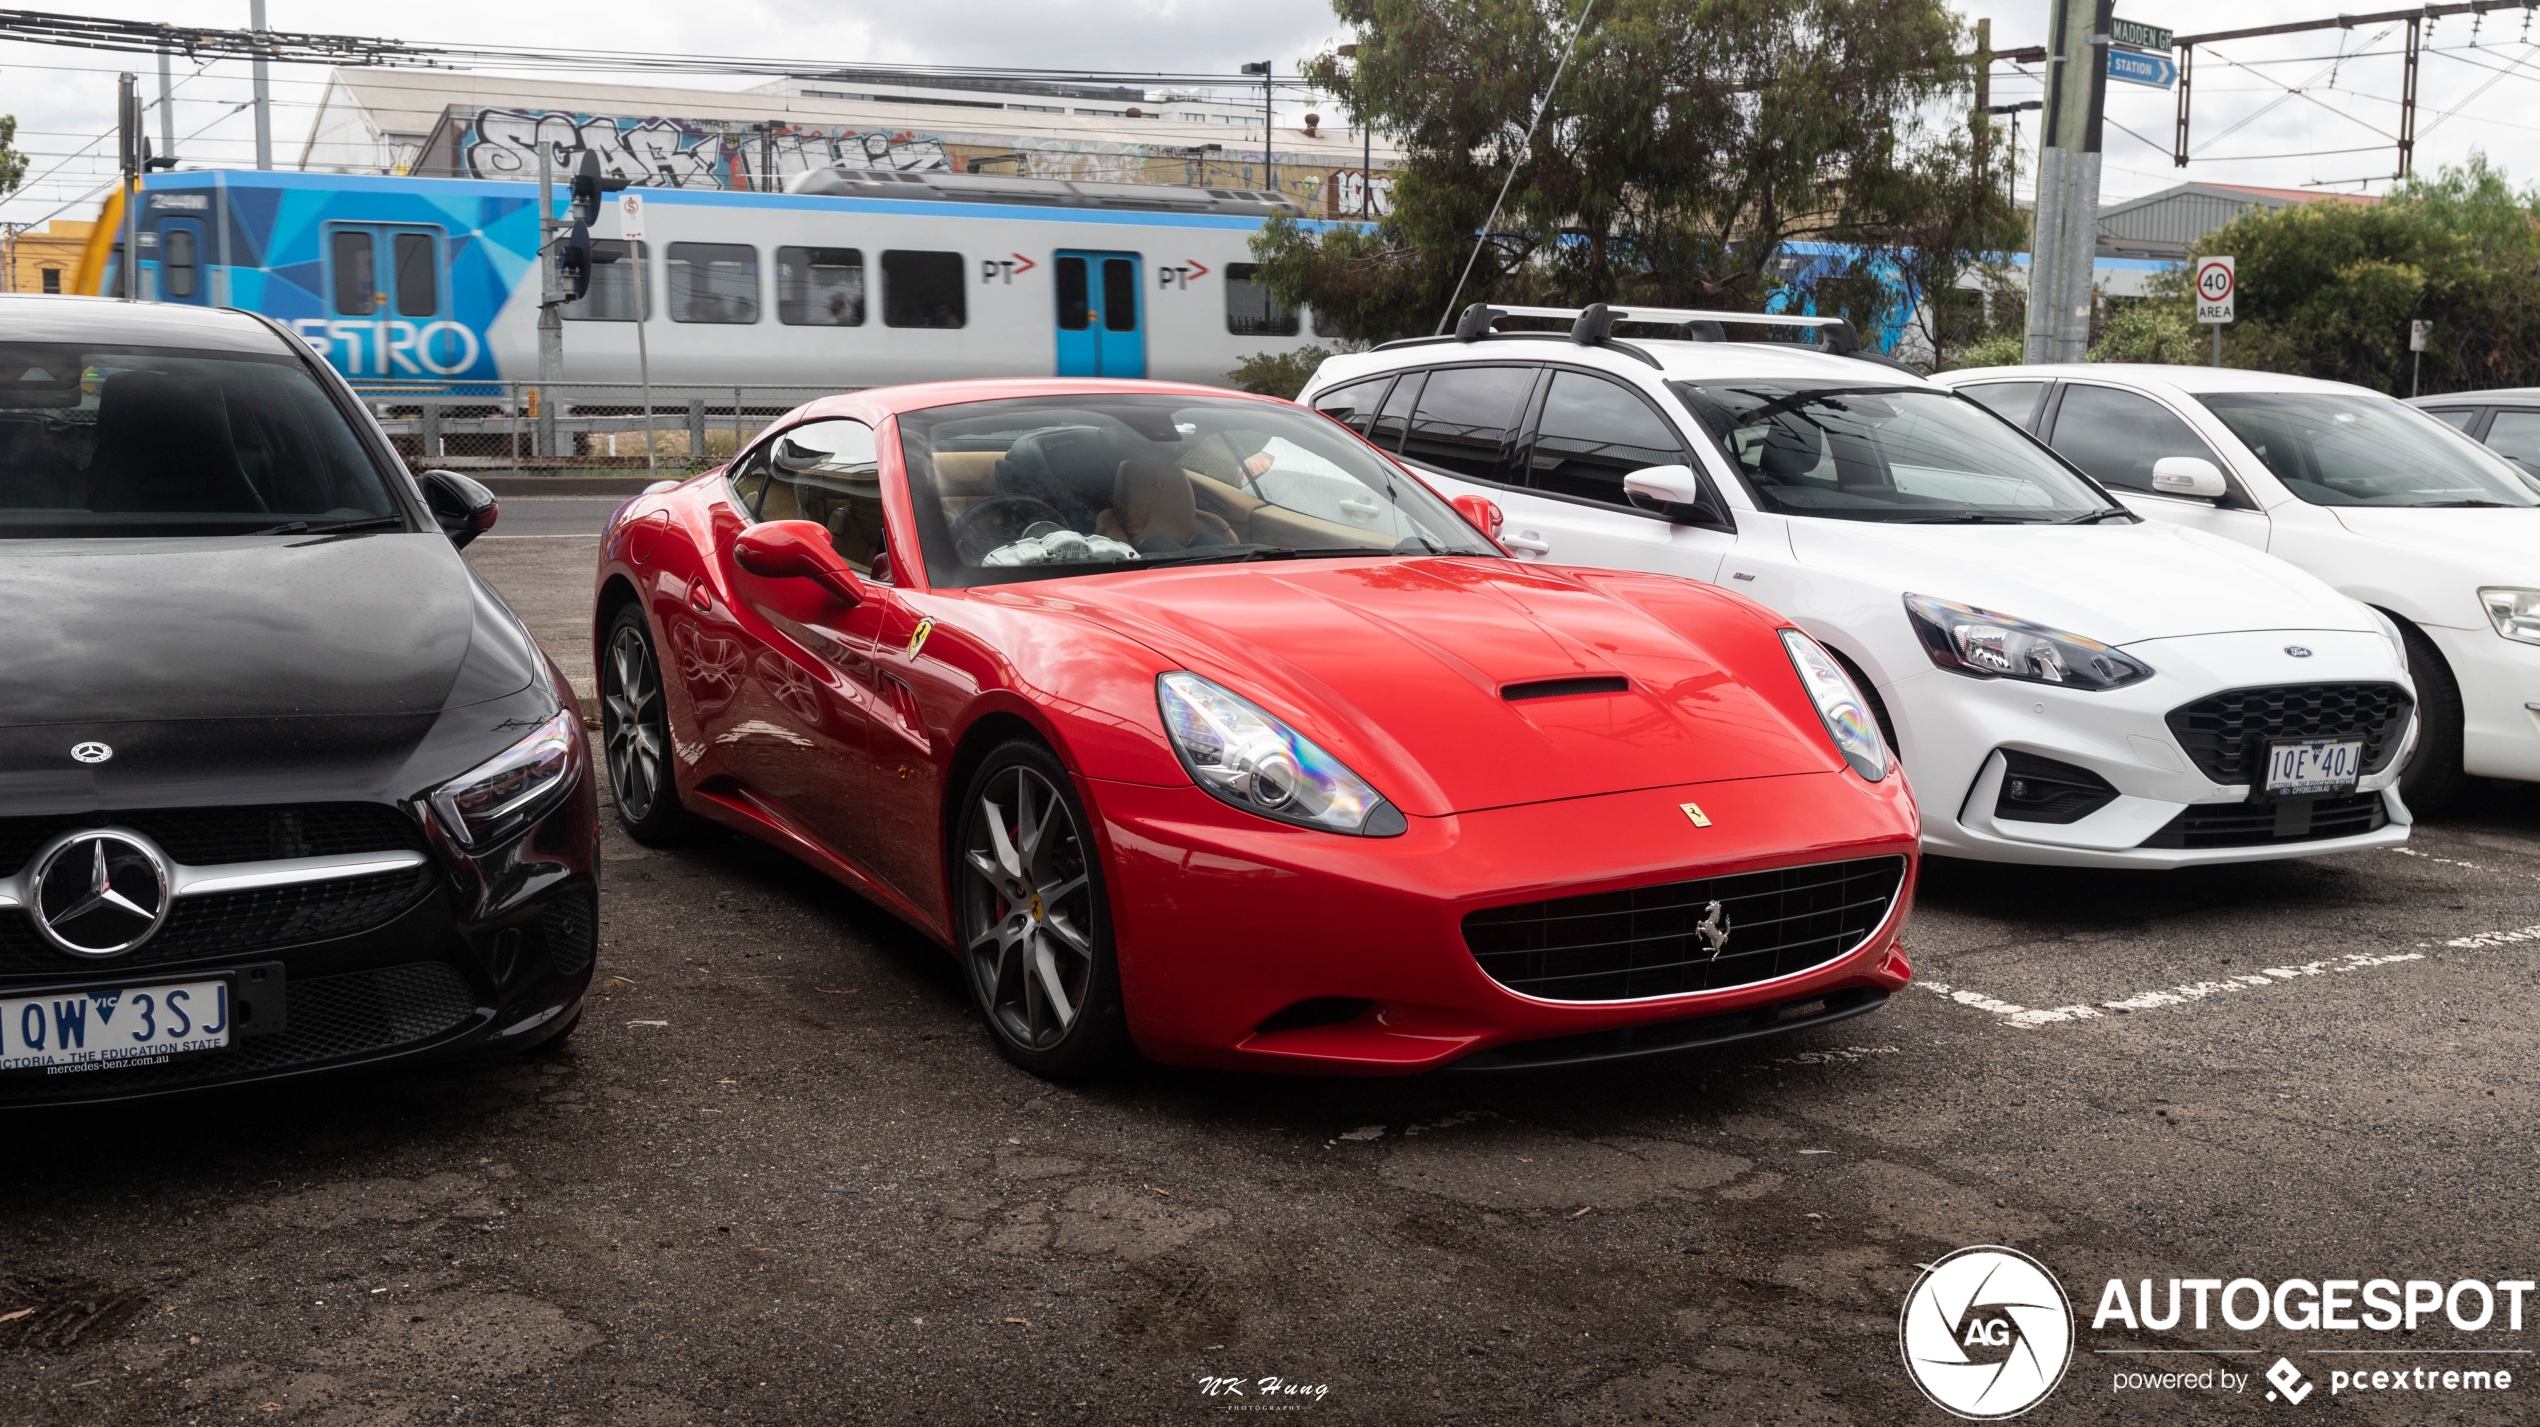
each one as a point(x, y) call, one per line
point(2063, 682)
point(2387, 503)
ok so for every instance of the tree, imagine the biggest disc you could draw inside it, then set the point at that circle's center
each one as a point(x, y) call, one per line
point(1689, 143)
point(12, 162)
point(2327, 289)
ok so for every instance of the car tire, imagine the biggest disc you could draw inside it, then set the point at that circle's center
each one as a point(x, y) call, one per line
point(1032, 913)
point(2434, 776)
point(635, 741)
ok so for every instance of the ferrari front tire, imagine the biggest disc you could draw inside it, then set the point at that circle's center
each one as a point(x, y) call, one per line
point(635, 734)
point(1035, 918)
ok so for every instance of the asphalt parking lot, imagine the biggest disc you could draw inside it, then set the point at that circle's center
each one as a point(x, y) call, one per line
point(780, 1176)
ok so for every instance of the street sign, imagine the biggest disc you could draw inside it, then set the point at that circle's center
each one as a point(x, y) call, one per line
point(630, 215)
point(2416, 334)
point(2158, 71)
point(2217, 288)
point(2134, 34)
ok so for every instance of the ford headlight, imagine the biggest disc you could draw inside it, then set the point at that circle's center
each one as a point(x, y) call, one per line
point(1995, 646)
point(1243, 756)
point(509, 790)
point(1840, 705)
point(2515, 613)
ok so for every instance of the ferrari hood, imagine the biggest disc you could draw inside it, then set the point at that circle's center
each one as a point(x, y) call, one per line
point(2114, 583)
point(1456, 685)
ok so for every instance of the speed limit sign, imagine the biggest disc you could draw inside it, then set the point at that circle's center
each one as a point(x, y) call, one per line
point(2216, 285)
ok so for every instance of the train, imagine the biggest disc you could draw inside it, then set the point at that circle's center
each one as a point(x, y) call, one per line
point(850, 278)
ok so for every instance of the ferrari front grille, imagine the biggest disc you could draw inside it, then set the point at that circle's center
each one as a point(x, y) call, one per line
point(2227, 733)
point(1707, 934)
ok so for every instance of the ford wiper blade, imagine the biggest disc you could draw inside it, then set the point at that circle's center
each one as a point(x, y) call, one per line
point(2094, 517)
point(1970, 517)
point(2461, 505)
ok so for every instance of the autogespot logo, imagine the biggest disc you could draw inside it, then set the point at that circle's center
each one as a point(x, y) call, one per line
point(1987, 1333)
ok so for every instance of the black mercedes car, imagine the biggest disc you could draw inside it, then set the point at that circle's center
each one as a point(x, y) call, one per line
point(284, 787)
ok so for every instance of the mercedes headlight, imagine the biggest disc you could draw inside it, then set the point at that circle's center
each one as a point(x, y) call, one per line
point(1845, 712)
point(2515, 613)
point(509, 790)
point(1995, 646)
point(1244, 756)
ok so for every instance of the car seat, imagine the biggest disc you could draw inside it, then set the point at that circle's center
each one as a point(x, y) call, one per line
point(164, 444)
point(1152, 510)
point(1071, 467)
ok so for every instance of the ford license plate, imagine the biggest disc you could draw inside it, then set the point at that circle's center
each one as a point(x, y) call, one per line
point(64, 1031)
point(2314, 765)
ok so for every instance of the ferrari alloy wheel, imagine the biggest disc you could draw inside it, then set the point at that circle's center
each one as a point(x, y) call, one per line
point(635, 732)
point(1035, 933)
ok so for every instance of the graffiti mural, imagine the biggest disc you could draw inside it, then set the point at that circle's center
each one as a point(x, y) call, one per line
point(659, 152)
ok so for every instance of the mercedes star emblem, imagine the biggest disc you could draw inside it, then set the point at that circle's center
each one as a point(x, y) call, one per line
point(98, 892)
point(91, 752)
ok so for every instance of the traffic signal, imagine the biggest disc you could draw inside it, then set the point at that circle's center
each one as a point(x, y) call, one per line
point(573, 260)
point(587, 188)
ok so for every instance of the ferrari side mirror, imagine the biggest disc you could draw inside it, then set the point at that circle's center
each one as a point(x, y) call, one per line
point(797, 550)
point(1482, 511)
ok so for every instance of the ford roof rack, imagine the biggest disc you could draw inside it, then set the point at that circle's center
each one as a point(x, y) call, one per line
point(1593, 326)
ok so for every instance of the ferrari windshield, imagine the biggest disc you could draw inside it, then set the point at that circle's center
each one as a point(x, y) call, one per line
point(1036, 487)
point(2332, 448)
point(1901, 454)
point(124, 442)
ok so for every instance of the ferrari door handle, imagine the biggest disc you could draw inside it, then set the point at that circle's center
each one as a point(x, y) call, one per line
point(1529, 542)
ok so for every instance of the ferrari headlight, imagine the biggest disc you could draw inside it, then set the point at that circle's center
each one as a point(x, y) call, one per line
point(1995, 646)
point(1237, 751)
point(1840, 705)
point(2515, 613)
point(506, 791)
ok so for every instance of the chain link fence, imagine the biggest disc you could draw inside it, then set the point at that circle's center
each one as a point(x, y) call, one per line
point(562, 428)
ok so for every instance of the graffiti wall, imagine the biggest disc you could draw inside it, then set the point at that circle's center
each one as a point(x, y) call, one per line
point(658, 152)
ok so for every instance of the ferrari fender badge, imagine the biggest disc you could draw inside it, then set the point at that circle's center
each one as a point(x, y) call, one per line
point(917, 638)
point(1694, 811)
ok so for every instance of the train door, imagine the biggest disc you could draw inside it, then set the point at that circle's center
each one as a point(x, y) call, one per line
point(183, 275)
point(1101, 326)
point(391, 274)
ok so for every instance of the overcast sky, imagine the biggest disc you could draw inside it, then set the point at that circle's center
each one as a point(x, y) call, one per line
point(2338, 131)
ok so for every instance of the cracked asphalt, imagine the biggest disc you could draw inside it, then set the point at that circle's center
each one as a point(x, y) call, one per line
point(779, 1176)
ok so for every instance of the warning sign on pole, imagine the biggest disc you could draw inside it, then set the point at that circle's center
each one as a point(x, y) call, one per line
point(2217, 284)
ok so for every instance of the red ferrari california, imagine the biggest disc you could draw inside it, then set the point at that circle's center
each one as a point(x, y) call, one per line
point(1188, 722)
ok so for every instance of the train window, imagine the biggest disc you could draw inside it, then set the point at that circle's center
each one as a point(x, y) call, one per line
point(1250, 309)
point(418, 275)
point(924, 290)
point(713, 282)
point(820, 287)
point(356, 272)
point(1074, 300)
point(1119, 295)
point(621, 278)
point(177, 261)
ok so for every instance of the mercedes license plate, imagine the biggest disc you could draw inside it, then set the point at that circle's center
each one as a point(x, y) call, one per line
point(2314, 765)
point(91, 1029)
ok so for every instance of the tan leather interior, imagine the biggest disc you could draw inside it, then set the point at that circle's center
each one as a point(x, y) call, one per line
point(966, 473)
point(1149, 498)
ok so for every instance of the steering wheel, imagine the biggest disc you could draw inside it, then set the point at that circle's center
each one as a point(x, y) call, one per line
point(999, 521)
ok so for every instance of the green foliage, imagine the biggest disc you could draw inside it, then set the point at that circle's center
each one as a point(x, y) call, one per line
point(2151, 330)
point(1689, 140)
point(12, 162)
point(2327, 289)
point(2000, 349)
point(1278, 373)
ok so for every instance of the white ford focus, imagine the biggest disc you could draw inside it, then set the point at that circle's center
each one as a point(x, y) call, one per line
point(2387, 503)
point(2064, 682)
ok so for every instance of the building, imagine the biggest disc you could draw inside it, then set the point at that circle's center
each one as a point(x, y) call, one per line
point(2163, 225)
point(44, 261)
point(437, 123)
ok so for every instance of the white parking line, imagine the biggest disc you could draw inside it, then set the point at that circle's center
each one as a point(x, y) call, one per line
point(2192, 993)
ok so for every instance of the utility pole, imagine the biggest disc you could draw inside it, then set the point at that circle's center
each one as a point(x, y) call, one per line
point(264, 87)
point(128, 127)
point(167, 112)
point(1981, 121)
point(550, 301)
point(2408, 103)
point(2066, 222)
point(1263, 69)
point(1366, 136)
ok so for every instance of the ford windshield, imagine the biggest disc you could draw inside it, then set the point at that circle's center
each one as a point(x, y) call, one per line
point(1037, 487)
point(133, 442)
point(1893, 454)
